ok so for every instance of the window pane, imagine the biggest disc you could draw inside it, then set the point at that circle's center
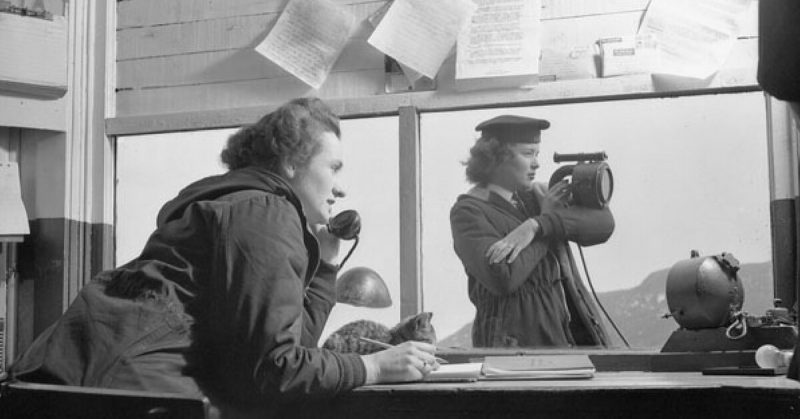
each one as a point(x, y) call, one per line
point(151, 170)
point(371, 180)
point(689, 172)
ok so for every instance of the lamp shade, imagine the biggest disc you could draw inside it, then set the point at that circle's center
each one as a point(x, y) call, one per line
point(362, 287)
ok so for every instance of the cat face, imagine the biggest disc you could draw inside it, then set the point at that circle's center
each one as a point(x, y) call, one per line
point(418, 327)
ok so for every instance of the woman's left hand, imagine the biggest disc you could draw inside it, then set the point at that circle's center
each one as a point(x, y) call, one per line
point(508, 248)
point(328, 243)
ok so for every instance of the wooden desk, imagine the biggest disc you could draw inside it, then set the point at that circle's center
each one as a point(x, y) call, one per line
point(607, 395)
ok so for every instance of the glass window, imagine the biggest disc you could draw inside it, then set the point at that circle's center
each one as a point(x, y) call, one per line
point(152, 169)
point(371, 180)
point(690, 173)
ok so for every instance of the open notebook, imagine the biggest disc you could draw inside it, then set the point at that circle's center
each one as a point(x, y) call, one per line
point(470, 371)
point(537, 367)
point(517, 367)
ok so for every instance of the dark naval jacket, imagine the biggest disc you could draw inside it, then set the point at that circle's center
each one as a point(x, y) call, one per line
point(228, 299)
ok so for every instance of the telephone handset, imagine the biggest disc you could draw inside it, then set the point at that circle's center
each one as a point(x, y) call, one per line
point(346, 225)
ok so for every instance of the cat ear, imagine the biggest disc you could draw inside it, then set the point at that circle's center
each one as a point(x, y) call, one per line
point(424, 318)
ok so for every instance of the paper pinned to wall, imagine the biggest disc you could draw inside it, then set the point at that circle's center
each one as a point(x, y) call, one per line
point(501, 39)
point(421, 33)
point(375, 19)
point(14, 219)
point(307, 39)
point(694, 37)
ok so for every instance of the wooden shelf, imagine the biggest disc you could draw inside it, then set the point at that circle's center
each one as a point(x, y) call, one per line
point(34, 60)
point(545, 93)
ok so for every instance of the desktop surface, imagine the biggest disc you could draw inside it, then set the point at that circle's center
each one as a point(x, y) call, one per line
point(627, 394)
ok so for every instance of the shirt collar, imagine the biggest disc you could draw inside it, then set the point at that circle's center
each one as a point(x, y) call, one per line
point(503, 192)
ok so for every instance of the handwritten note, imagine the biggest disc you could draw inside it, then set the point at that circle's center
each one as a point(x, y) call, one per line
point(501, 39)
point(14, 219)
point(308, 38)
point(694, 37)
point(421, 33)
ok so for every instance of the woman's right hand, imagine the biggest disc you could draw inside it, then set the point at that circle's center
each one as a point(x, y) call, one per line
point(508, 248)
point(328, 243)
point(556, 197)
point(408, 361)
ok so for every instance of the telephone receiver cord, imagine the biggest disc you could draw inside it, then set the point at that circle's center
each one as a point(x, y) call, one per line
point(352, 248)
point(589, 280)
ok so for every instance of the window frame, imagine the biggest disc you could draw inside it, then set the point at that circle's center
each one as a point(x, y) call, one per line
point(783, 169)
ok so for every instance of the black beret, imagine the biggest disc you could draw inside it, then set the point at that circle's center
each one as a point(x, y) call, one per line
point(513, 128)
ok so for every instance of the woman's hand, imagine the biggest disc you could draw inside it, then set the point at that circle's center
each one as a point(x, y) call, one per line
point(328, 243)
point(508, 248)
point(408, 361)
point(556, 197)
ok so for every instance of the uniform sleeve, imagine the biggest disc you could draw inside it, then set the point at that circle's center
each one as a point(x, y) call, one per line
point(320, 297)
point(582, 225)
point(265, 310)
point(472, 236)
point(586, 226)
point(550, 226)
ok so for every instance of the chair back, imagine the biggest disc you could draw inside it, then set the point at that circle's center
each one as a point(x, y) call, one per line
point(33, 400)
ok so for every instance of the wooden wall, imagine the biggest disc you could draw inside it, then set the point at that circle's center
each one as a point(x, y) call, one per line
point(54, 129)
point(187, 64)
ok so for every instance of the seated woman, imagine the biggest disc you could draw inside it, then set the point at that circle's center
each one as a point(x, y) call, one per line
point(511, 236)
point(231, 292)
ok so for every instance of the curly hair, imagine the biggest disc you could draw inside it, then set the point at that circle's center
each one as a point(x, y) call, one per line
point(484, 157)
point(289, 132)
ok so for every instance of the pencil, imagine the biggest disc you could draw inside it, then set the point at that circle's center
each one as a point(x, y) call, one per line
point(385, 345)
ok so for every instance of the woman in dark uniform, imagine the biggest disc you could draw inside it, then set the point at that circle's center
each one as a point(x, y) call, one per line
point(232, 291)
point(511, 236)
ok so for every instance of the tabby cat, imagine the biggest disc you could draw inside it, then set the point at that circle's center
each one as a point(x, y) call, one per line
point(346, 339)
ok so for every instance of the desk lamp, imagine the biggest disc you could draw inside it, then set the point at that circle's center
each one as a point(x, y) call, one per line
point(359, 286)
point(362, 287)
